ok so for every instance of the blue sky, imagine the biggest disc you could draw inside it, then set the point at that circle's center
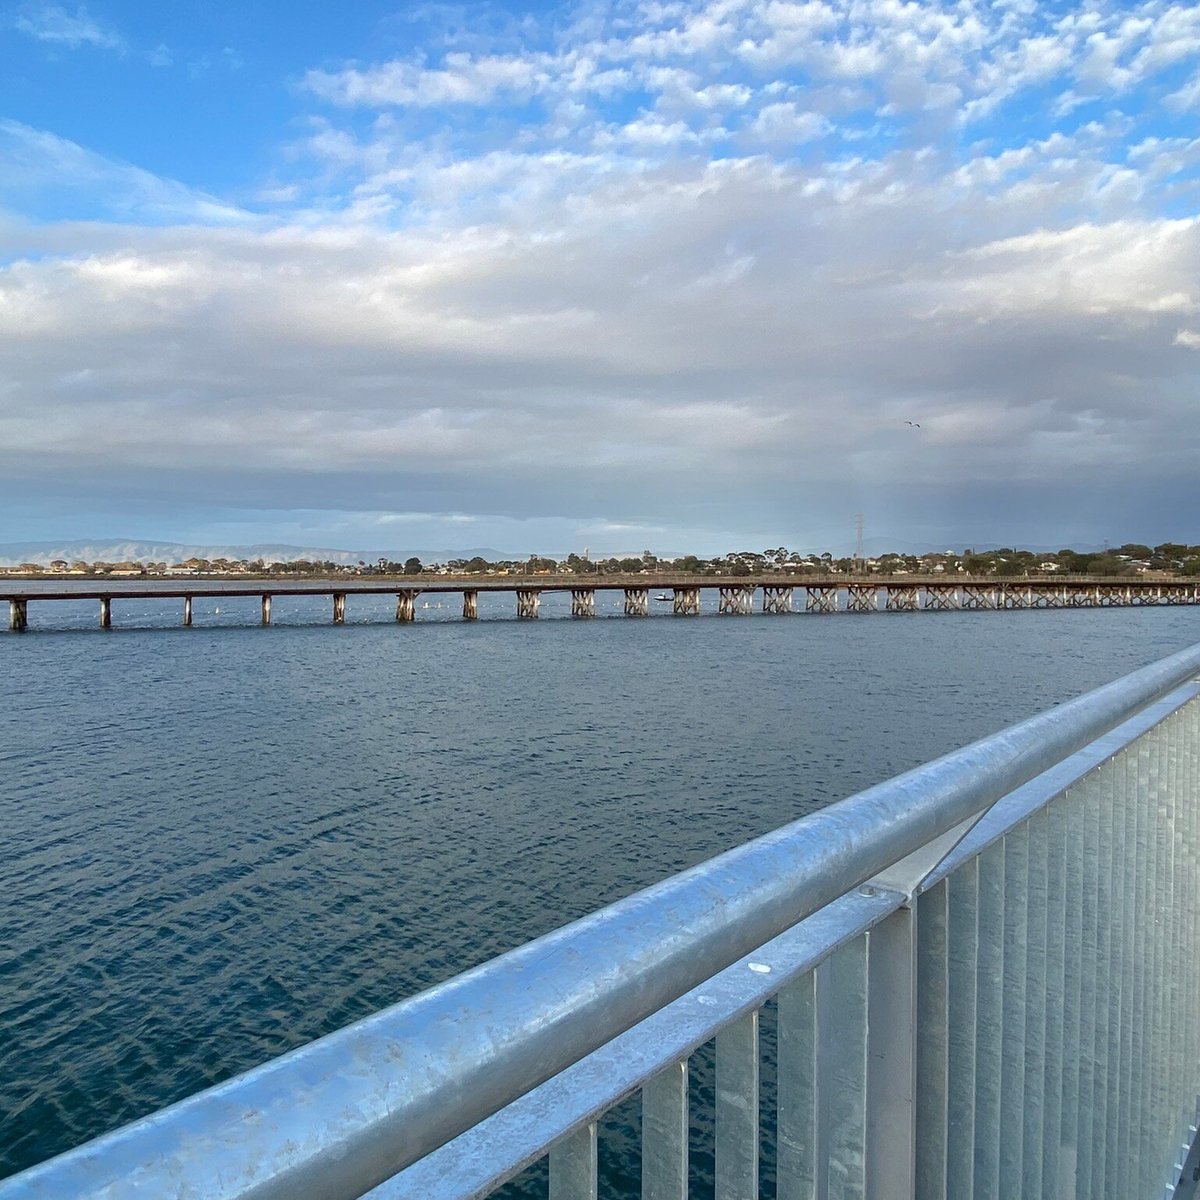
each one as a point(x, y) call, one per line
point(669, 274)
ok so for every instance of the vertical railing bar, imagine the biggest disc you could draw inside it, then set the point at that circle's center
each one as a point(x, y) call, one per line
point(1106, 786)
point(796, 1163)
point(933, 1033)
point(1087, 1006)
point(1015, 957)
point(1122, 1169)
point(1171, 1108)
point(1163, 1154)
point(1190, 733)
point(962, 971)
point(1055, 996)
point(1074, 803)
point(1138, 1118)
point(890, 1143)
point(842, 1072)
point(665, 1135)
point(988, 1022)
point(573, 1174)
point(737, 1110)
point(1147, 1157)
point(1178, 1109)
point(1034, 1098)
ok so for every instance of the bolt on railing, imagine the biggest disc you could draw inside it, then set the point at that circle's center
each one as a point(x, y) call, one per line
point(984, 975)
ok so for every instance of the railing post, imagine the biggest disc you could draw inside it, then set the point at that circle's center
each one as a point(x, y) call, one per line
point(892, 1057)
point(573, 1167)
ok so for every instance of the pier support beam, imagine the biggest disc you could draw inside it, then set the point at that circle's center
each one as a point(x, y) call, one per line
point(777, 600)
point(529, 603)
point(900, 599)
point(583, 602)
point(821, 600)
point(738, 601)
point(470, 606)
point(862, 598)
point(977, 595)
point(266, 609)
point(18, 615)
point(637, 602)
point(187, 611)
point(686, 602)
point(941, 598)
point(406, 605)
point(1015, 597)
point(339, 608)
point(105, 612)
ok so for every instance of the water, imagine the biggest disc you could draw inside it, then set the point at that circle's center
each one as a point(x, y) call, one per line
point(222, 842)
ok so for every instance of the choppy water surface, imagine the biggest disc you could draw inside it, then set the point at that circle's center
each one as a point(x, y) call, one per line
point(222, 842)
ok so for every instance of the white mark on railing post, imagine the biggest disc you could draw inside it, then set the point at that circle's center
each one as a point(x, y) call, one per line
point(797, 1120)
point(891, 1058)
point(665, 1135)
point(737, 1110)
point(573, 1166)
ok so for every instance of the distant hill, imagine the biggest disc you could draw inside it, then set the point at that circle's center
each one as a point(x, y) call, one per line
point(99, 550)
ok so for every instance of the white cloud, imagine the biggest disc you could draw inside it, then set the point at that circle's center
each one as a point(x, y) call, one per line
point(641, 290)
point(53, 23)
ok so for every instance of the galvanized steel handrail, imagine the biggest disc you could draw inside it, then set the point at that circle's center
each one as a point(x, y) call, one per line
point(342, 1114)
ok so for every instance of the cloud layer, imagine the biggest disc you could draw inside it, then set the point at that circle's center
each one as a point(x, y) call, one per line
point(673, 266)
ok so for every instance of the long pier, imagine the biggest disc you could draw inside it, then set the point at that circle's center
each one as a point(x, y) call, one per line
point(736, 595)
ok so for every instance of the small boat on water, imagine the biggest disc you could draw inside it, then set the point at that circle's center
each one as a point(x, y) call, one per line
point(662, 596)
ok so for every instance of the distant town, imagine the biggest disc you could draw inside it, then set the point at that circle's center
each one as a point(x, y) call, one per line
point(1132, 559)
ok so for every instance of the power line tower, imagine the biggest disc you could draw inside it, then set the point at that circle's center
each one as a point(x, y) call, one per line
point(860, 559)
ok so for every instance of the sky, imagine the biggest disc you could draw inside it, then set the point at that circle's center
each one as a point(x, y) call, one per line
point(680, 275)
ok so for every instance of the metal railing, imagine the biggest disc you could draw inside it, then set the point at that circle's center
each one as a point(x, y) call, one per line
point(983, 972)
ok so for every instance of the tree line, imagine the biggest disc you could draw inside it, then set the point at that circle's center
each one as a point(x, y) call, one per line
point(1130, 559)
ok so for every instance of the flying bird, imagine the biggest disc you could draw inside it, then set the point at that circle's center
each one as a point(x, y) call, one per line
point(914, 424)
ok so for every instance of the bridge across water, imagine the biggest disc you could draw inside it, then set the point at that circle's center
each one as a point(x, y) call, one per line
point(736, 595)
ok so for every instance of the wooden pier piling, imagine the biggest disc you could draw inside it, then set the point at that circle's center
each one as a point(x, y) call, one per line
point(470, 606)
point(862, 598)
point(18, 615)
point(686, 602)
point(900, 599)
point(187, 611)
point(821, 600)
point(105, 612)
point(637, 602)
point(529, 602)
point(583, 602)
point(266, 609)
point(777, 600)
point(339, 608)
point(406, 606)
